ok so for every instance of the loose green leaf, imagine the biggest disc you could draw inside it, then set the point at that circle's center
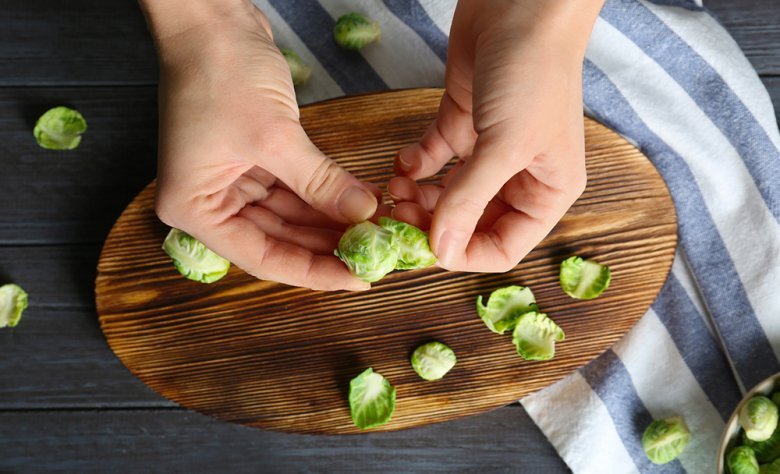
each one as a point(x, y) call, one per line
point(742, 460)
point(413, 248)
point(354, 31)
point(758, 417)
point(505, 306)
point(369, 251)
point(433, 360)
point(535, 335)
point(371, 399)
point(664, 440)
point(299, 71)
point(60, 128)
point(584, 279)
point(13, 302)
point(193, 260)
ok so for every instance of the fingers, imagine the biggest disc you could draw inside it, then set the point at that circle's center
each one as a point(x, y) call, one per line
point(412, 213)
point(404, 189)
point(317, 240)
point(295, 211)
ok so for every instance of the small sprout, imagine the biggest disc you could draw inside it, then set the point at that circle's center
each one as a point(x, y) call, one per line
point(193, 259)
point(433, 360)
point(369, 251)
point(413, 248)
point(60, 128)
point(664, 440)
point(354, 31)
point(758, 417)
point(505, 306)
point(299, 71)
point(371, 399)
point(13, 301)
point(535, 335)
point(584, 279)
point(742, 460)
point(766, 451)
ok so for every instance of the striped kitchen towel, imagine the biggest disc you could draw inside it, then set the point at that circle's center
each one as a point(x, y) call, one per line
point(669, 78)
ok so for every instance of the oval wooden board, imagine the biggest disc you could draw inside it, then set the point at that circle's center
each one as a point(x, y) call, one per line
point(276, 357)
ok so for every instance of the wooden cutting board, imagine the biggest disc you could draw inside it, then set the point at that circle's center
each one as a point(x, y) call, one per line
point(281, 358)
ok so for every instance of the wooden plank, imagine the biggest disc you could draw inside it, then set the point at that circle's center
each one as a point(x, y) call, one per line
point(504, 440)
point(754, 25)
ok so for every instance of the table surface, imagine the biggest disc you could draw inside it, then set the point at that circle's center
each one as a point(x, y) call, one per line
point(66, 402)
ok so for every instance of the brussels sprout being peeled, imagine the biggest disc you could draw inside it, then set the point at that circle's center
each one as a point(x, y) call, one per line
point(60, 128)
point(505, 306)
point(664, 440)
point(371, 399)
point(758, 417)
point(584, 279)
point(413, 248)
point(354, 31)
point(193, 260)
point(433, 360)
point(742, 460)
point(299, 71)
point(369, 251)
point(13, 301)
point(535, 336)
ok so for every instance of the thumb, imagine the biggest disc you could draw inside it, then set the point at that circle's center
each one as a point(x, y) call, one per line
point(321, 182)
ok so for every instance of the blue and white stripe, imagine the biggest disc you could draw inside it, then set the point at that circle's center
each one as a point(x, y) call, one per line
point(673, 82)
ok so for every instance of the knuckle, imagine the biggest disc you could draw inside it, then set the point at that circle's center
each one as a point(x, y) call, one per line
point(322, 181)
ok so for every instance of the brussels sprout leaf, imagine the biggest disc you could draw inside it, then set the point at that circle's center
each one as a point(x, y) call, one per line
point(371, 399)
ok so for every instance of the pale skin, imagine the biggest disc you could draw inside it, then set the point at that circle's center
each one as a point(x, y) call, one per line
point(237, 171)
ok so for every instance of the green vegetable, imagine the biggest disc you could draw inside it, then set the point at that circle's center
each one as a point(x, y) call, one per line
point(413, 249)
point(742, 460)
point(776, 398)
point(60, 128)
point(433, 360)
point(299, 71)
point(369, 251)
point(354, 31)
point(13, 301)
point(193, 259)
point(505, 306)
point(773, 468)
point(664, 440)
point(584, 279)
point(766, 451)
point(534, 336)
point(371, 399)
point(758, 418)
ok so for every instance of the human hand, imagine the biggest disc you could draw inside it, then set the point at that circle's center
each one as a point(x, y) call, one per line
point(236, 169)
point(512, 111)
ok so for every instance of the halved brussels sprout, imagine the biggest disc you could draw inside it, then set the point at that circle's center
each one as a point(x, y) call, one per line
point(299, 71)
point(369, 251)
point(371, 399)
point(742, 460)
point(535, 335)
point(505, 306)
point(413, 248)
point(193, 260)
point(758, 417)
point(59, 128)
point(354, 31)
point(664, 440)
point(433, 360)
point(13, 302)
point(584, 279)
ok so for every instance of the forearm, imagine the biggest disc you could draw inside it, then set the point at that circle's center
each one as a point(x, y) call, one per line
point(168, 18)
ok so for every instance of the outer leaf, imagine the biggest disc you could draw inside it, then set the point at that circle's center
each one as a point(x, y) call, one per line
point(535, 335)
point(354, 31)
point(371, 399)
point(413, 248)
point(433, 360)
point(664, 440)
point(193, 260)
point(60, 128)
point(505, 306)
point(584, 279)
point(758, 417)
point(369, 251)
point(13, 302)
point(299, 71)
point(742, 460)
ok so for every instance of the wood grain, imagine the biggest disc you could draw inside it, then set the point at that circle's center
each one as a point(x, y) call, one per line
point(272, 356)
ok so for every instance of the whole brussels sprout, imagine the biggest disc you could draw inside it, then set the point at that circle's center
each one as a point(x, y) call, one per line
point(758, 418)
point(354, 31)
point(664, 440)
point(369, 251)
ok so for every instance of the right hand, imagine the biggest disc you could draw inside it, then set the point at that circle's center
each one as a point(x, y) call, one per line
point(236, 169)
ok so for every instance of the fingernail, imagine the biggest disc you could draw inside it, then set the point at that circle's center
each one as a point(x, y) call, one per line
point(404, 163)
point(357, 204)
point(451, 246)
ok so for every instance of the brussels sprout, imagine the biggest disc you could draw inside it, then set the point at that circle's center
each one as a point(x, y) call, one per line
point(742, 460)
point(505, 306)
point(413, 249)
point(773, 468)
point(371, 399)
point(767, 450)
point(299, 71)
point(583, 279)
point(13, 301)
point(60, 128)
point(664, 440)
point(758, 418)
point(354, 31)
point(369, 251)
point(534, 336)
point(193, 259)
point(433, 360)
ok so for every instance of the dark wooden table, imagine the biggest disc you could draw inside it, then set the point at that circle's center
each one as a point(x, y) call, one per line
point(66, 403)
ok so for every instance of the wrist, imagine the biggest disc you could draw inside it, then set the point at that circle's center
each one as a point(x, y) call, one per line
point(570, 20)
point(167, 18)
